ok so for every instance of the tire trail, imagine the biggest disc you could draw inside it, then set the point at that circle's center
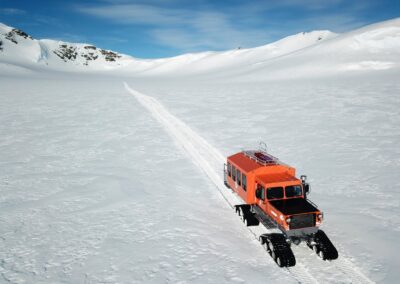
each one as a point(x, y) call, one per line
point(210, 161)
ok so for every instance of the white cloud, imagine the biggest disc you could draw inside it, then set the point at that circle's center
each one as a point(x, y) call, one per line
point(185, 29)
point(309, 4)
point(69, 37)
point(245, 25)
point(139, 14)
point(12, 11)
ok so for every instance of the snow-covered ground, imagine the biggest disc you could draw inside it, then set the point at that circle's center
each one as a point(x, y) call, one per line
point(103, 182)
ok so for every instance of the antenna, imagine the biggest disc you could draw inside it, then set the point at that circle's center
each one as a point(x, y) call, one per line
point(262, 146)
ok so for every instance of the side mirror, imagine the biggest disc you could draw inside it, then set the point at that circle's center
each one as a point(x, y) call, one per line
point(307, 188)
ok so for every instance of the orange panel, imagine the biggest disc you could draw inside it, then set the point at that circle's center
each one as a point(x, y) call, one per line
point(276, 177)
point(244, 163)
point(254, 171)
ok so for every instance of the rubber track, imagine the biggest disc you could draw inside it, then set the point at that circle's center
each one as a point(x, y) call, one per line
point(248, 215)
point(325, 245)
point(278, 244)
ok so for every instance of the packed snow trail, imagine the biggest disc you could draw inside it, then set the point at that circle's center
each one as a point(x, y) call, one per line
point(202, 153)
point(210, 160)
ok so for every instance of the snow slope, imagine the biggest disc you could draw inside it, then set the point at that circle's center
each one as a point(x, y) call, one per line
point(102, 183)
point(218, 61)
point(317, 53)
point(209, 160)
point(21, 49)
point(373, 48)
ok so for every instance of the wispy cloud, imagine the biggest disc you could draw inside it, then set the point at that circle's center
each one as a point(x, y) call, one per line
point(309, 4)
point(182, 28)
point(70, 37)
point(337, 22)
point(12, 11)
point(202, 25)
point(139, 14)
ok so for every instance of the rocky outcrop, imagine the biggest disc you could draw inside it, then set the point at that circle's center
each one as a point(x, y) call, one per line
point(12, 35)
point(109, 55)
point(66, 52)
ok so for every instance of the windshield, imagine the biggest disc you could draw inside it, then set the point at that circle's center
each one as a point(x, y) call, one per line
point(275, 192)
point(293, 191)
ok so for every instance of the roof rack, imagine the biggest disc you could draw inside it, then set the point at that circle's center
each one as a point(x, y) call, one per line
point(261, 157)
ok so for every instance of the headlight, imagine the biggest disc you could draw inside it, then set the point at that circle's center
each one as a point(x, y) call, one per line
point(320, 216)
point(288, 220)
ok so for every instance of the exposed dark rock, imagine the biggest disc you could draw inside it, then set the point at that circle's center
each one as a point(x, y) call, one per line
point(21, 33)
point(89, 57)
point(16, 32)
point(109, 55)
point(11, 37)
point(66, 52)
point(69, 53)
point(1, 45)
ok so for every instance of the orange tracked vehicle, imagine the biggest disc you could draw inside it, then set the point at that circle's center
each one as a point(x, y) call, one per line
point(276, 198)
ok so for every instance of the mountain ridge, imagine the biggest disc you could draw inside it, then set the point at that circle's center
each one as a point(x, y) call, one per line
point(19, 47)
point(84, 54)
point(371, 48)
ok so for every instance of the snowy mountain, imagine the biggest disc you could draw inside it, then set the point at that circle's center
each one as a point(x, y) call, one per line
point(322, 53)
point(20, 48)
point(111, 172)
point(17, 47)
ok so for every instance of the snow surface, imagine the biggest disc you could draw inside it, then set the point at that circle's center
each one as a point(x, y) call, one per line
point(106, 182)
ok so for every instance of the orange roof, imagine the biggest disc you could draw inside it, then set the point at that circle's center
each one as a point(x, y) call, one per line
point(244, 162)
point(277, 177)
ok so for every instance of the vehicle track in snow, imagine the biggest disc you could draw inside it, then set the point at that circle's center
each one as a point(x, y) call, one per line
point(210, 161)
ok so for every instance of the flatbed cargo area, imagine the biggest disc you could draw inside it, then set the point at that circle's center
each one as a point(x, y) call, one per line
point(293, 206)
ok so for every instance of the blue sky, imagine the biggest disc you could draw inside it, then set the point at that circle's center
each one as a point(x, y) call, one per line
point(161, 28)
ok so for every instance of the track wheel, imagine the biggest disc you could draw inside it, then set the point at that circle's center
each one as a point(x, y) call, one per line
point(273, 255)
point(241, 213)
point(279, 261)
point(321, 254)
point(266, 246)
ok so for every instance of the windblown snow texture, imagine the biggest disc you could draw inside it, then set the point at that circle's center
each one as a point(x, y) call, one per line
point(209, 160)
point(105, 183)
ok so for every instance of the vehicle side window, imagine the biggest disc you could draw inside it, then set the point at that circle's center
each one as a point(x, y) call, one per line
point(293, 191)
point(261, 189)
point(233, 173)
point(274, 193)
point(239, 177)
point(244, 181)
point(229, 169)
